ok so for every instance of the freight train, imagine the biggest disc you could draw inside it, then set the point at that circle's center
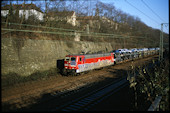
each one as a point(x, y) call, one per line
point(74, 64)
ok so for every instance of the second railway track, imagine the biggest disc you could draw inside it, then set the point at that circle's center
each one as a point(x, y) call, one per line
point(88, 100)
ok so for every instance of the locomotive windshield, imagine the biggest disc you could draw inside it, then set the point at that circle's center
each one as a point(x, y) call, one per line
point(73, 59)
point(70, 59)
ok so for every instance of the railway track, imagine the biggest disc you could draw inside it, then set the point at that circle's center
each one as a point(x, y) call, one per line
point(88, 100)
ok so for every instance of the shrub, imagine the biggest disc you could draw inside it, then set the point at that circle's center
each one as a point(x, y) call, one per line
point(13, 78)
point(151, 80)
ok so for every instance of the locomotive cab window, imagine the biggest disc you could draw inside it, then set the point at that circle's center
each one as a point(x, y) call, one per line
point(73, 59)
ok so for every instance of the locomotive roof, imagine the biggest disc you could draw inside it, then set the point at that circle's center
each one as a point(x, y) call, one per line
point(92, 55)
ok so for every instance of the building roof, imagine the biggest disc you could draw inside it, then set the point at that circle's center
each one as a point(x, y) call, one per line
point(21, 6)
point(88, 18)
point(61, 14)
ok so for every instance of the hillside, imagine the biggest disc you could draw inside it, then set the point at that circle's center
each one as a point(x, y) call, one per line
point(105, 24)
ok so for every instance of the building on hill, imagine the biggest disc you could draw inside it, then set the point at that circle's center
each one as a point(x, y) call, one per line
point(96, 21)
point(24, 9)
point(90, 20)
point(69, 16)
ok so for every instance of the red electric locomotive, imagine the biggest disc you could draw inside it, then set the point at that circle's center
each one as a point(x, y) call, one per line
point(79, 63)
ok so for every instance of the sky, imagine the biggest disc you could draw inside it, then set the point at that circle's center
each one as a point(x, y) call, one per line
point(146, 15)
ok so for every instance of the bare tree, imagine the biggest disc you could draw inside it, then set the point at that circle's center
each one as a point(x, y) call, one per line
point(47, 4)
point(10, 14)
point(5, 2)
point(23, 16)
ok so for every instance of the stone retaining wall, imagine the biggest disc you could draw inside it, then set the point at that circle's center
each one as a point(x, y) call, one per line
point(26, 56)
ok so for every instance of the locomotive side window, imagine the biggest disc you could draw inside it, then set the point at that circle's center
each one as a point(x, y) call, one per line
point(80, 59)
